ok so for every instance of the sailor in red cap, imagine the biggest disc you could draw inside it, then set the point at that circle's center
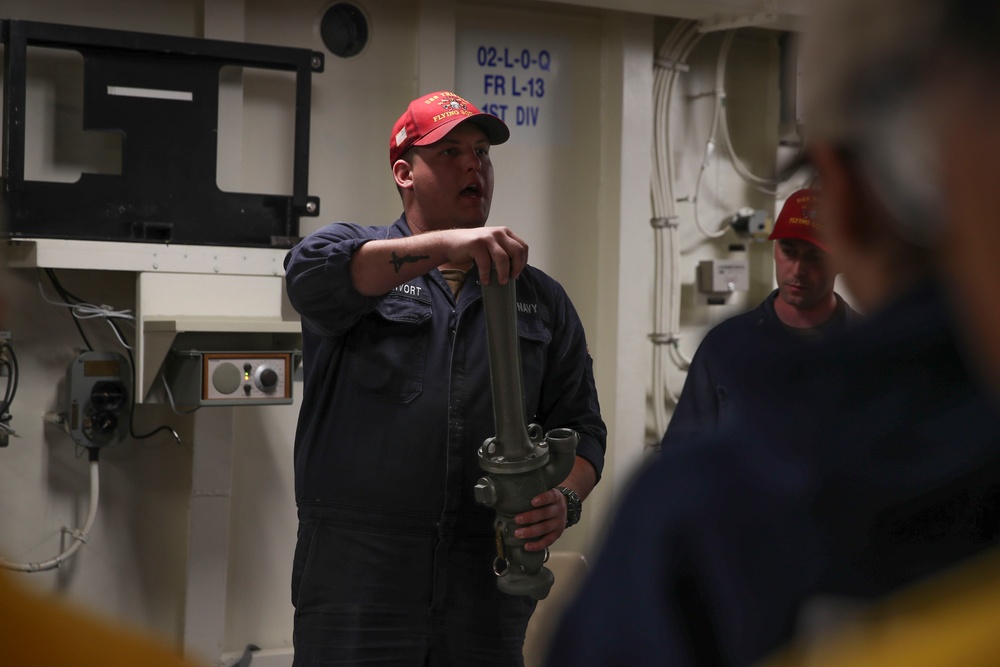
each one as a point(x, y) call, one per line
point(394, 563)
point(803, 265)
point(729, 375)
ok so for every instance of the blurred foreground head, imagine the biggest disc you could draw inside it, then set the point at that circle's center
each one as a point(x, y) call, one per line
point(901, 108)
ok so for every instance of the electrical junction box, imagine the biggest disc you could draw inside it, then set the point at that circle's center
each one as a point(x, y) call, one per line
point(99, 398)
point(230, 378)
point(751, 223)
point(723, 276)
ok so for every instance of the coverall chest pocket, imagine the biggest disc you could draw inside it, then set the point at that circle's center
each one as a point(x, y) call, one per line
point(387, 350)
point(534, 338)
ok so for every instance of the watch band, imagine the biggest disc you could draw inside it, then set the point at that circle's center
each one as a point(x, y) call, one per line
point(574, 505)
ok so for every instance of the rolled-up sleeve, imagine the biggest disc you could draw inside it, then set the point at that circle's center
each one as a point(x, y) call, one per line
point(318, 278)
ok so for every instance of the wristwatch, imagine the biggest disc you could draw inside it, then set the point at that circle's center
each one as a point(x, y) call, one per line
point(574, 505)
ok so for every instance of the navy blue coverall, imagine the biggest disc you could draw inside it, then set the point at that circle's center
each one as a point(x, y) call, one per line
point(394, 555)
point(734, 367)
point(883, 470)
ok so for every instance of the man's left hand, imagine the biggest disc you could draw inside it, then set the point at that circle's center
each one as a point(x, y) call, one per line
point(544, 524)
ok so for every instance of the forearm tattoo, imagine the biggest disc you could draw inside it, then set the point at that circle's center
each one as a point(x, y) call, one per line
point(398, 261)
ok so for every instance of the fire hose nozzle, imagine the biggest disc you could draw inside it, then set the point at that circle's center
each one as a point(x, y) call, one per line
point(519, 462)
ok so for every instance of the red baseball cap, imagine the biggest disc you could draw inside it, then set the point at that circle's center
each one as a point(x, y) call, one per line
point(430, 117)
point(797, 219)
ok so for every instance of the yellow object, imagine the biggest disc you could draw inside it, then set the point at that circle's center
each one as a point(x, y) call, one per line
point(950, 620)
point(43, 631)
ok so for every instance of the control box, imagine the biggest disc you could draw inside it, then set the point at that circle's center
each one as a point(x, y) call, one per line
point(98, 399)
point(722, 276)
point(230, 378)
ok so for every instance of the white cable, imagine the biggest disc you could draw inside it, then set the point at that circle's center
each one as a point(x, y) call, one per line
point(680, 360)
point(659, 375)
point(709, 149)
point(671, 60)
point(85, 311)
point(173, 405)
point(765, 185)
point(718, 118)
point(79, 535)
point(88, 311)
point(684, 37)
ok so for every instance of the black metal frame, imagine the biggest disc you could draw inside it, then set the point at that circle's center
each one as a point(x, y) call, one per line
point(167, 190)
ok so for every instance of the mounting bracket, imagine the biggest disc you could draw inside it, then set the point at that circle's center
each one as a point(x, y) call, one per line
point(161, 93)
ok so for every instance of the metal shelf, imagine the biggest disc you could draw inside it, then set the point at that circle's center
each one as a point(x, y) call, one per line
point(155, 257)
point(186, 295)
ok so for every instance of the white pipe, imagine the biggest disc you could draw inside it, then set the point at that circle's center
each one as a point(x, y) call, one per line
point(79, 535)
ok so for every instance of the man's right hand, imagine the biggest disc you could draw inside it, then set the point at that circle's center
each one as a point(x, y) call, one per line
point(380, 265)
point(487, 247)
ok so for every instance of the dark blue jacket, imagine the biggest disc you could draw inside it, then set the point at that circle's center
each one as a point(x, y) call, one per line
point(884, 470)
point(397, 396)
point(735, 365)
